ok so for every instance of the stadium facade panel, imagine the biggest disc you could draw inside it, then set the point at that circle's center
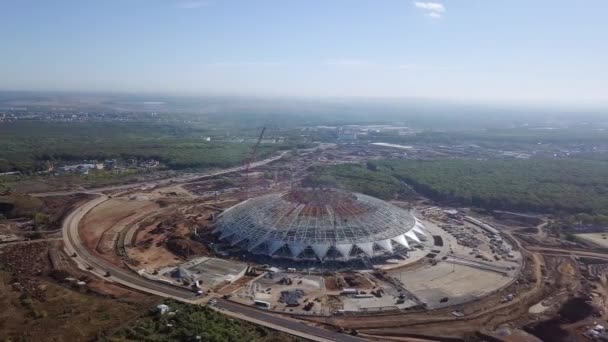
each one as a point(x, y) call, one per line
point(319, 224)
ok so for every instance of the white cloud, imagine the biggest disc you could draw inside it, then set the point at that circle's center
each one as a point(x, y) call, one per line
point(192, 4)
point(434, 7)
point(433, 10)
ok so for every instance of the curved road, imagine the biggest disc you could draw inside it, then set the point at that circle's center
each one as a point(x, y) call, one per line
point(271, 321)
point(100, 267)
point(567, 252)
point(128, 278)
point(85, 259)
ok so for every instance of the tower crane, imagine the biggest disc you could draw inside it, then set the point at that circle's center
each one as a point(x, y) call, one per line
point(250, 160)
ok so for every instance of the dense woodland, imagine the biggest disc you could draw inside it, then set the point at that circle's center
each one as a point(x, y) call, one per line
point(520, 136)
point(567, 186)
point(552, 185)
point(29, 146)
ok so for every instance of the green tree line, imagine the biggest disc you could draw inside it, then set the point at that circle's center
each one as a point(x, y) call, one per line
point(366, 179)
point(546, 185)
point(569, 186)
point(195, 323)
point(28, 146)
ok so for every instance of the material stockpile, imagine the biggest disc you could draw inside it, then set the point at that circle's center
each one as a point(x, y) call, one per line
point(292, 297)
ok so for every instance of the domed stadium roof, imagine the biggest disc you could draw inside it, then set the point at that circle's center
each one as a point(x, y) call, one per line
point(319, 224)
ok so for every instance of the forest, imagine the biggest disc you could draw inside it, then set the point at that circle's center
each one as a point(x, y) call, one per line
point(365, 179)
point(29, 145)
point(545, 185)
point(568, 186)
point(499, 136)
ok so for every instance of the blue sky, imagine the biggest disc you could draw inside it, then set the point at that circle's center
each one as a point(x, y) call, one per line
point(532, 51)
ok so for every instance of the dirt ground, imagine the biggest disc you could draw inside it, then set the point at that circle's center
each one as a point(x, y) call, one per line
point(160, 220)
point(165, 239)
point(488, 313)
point(225, 204)
point(36, 295)
point(341, 281)
point(57, 207)
point(26, 207)
point(65, 314)
point(600, 239)
point(109, 213)
point(173, 191)
point(230, 288)
point(149, 250)
point(39, 185)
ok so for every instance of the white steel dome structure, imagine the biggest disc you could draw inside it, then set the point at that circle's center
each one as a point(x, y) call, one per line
point(315, 224)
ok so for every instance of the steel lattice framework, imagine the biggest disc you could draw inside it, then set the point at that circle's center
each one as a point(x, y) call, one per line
point(319, 224)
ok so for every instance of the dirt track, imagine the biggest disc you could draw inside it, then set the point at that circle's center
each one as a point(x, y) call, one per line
point(488, 312)
point(104, 217)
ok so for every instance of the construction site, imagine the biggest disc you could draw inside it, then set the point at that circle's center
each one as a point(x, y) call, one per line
point(269, 243)
point(254, 236)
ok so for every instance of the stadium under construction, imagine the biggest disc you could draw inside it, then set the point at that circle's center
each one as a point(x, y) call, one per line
point(320, 224)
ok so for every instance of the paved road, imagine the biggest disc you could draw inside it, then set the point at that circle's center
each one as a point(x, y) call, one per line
point(84, 258)
point(319, 333)
point(179, 179)
point(566, 251)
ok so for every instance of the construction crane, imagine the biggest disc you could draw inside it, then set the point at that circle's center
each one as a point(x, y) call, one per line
point(250, 160)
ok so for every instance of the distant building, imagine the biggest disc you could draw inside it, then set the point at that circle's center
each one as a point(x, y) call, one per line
point(109, 164)
point(79, 168)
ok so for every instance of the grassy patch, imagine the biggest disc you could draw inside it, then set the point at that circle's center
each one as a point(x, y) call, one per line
point(189, 322)
point(65, 315)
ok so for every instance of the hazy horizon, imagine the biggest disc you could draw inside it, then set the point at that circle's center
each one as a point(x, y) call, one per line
point(542, 54)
